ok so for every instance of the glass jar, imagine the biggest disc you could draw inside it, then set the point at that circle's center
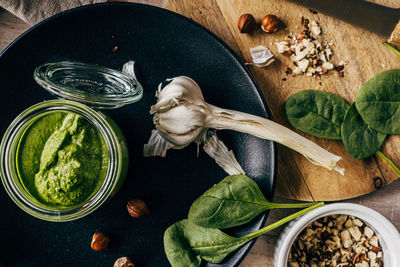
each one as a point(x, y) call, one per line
point(54, 76)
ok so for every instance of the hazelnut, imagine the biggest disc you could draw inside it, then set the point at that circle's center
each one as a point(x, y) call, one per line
point(100, 241)
point(270, 23)
point(137, 208)
point(124, 262)
point(246, 23)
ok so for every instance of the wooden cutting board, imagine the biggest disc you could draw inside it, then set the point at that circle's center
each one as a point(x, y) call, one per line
point(365, 56)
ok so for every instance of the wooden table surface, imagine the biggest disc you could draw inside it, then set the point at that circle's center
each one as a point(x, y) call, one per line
point(386, 201)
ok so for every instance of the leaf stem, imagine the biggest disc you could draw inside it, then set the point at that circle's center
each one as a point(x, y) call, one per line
point(288, 205)
point(391, 47)
point(280, 222)
point(388, 161)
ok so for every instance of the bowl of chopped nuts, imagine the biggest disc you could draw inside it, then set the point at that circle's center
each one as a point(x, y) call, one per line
point(341, 234)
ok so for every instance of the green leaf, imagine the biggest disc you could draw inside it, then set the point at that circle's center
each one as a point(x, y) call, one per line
point(186, 243)
point(317, 113)
point(360, 140)
point(234, 201)
point(177, 247)
point(378, 102)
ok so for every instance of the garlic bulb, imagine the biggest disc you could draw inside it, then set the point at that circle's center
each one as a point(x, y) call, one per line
point(181, 117)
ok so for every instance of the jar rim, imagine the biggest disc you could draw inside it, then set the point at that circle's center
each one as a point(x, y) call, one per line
point(93, 85)
point(13, 135)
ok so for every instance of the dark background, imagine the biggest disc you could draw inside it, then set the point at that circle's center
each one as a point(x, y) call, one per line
point(164, 45)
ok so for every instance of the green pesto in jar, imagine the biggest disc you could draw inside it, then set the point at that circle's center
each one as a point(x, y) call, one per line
point(62, 159)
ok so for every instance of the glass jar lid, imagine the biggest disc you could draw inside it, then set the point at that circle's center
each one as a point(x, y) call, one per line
point(96, 86)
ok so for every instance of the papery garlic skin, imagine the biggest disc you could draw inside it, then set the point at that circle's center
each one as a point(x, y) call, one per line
point(182, 116)
point(225, 158)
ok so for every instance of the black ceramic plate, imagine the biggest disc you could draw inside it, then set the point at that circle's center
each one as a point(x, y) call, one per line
point(164, 45)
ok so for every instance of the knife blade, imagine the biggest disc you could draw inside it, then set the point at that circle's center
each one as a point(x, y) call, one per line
point(373, 17)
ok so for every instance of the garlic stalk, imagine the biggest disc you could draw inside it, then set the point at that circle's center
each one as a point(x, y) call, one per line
point(182, 116)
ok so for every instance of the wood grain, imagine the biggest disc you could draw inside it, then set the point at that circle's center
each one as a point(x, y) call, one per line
point(365, 55)
point(10, 28)
point(207, 14)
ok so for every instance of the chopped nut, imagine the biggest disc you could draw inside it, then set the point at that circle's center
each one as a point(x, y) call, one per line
point(297, 71)
point(309, 232)
point(357, 222)
point(307, 46)
point(303, 64)
point(327, 65)
point(315, 28)
point(372, 255)
point(282, 47)
point(368, 232)
point(373, 241)
point(346, 238)
point(375, 249)
point(362, 264)
point(355, 232)
point(336, 241)
point(349, 223)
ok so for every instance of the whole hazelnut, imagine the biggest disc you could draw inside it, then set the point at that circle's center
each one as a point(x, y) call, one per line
point(137, 208)
point(100, 241)
point(270, 23)
point(246, 23)
point(124, 262)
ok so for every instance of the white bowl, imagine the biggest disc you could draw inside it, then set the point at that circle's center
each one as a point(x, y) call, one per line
point(389, 237)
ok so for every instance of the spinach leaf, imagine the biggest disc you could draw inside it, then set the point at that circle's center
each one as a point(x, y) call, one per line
point(317, 113)
point(186, 243)
point(187, 238)
point(378, 102)
point(360, 140)
point(177, 246)
point(234, 201)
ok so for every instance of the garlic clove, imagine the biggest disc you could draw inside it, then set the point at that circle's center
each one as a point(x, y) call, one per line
point(179, 89)
point(260, 54)
point(181, 119)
